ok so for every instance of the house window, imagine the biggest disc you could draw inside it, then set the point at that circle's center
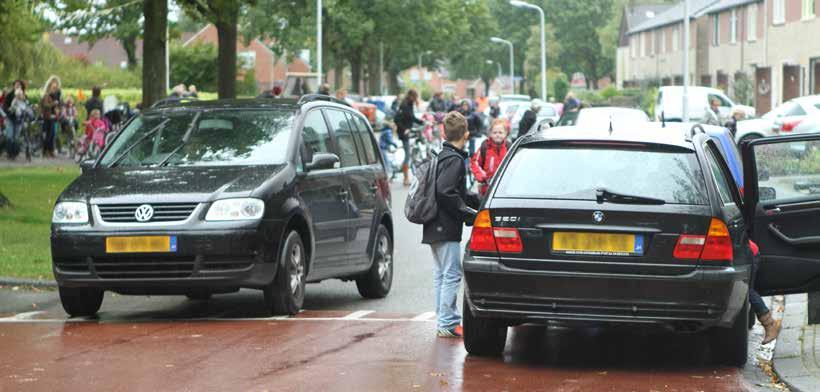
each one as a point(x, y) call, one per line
point(808, 9)
point(652, 38)
point(663, 41)
point(733, 26)
point(779, 11)
point(643, 44)
point(752, 29)
point(247, 59)
point(715, 29)
point(675, 39)
point(633, 46)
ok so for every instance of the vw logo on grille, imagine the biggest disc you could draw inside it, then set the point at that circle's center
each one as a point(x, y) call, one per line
point(598, 216)
point(144, 213)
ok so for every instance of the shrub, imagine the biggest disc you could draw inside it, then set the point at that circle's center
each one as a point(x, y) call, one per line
point(194, 64)
point(560, 87)
point(609, 92)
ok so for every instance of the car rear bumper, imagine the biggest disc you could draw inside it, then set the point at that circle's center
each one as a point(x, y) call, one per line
point(705, 297)
point(212, 260)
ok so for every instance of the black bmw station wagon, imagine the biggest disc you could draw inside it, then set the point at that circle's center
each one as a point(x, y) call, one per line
point(200, 198)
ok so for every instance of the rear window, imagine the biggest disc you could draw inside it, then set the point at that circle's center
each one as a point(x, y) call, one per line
point(574, 173)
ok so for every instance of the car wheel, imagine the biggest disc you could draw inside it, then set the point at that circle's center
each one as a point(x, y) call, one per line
point(484, 337)
point(730, 346)
point(199, 295)
point(81, 302)
point(286, 294)
point(376, 282)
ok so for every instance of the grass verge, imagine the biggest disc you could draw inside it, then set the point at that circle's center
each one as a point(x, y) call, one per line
point(25, 226)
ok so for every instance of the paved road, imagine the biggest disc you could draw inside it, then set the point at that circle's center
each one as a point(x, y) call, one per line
point(340, 342)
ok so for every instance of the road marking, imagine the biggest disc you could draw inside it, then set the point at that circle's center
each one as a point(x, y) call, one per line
point(25, 316)
point(424, 316)
point(357, 315)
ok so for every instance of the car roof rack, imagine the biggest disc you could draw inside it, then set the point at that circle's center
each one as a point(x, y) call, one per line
point(321, 97)
point(170, 101)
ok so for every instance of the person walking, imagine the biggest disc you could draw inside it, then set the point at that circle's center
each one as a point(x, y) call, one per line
point(731, 123)
point(95, 102)
point(437, 104)
point(17, 110)
point(486, 160)
point(405, 118)
point(50, 109)
point(529, 118)
point(771, 327)
point(571, 103)
point(712, 116)
point(456, 207)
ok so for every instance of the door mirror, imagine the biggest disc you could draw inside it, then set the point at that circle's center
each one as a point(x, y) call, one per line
point(767, 193)
point(86, 165)
point(323, 161)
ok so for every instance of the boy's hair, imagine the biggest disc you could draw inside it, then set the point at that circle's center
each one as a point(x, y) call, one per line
point(455, 126)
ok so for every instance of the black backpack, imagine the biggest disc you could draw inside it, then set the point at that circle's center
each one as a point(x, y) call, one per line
point(420, 206)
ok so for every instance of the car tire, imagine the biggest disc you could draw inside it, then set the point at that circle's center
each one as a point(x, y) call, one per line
point(378, 280)
point(482, 336)
point(199, 295)
point(286, 294)
point(730, 346)
point(81, 302)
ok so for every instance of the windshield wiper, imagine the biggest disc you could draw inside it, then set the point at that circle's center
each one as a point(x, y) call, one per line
point(139, 141)
point(185, 138)
point(603, 194)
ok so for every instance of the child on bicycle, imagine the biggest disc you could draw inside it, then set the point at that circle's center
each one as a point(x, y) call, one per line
point(96, 129)
point(486, 160)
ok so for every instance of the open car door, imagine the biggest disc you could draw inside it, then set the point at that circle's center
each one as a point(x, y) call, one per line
point(782, 204)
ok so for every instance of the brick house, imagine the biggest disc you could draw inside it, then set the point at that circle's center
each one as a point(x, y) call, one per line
point(732, 41)
point(106, 51)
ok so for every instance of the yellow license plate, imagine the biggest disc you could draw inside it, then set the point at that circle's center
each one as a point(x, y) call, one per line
point(142, 244)
point(607, 244)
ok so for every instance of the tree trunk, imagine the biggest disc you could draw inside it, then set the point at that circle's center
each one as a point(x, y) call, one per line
point(338, 75)
point(153, 52)
point(486, 87)
point(373, 76)
point(226, 29)
point(356, 71)
point(129, 44)
point(393, 82)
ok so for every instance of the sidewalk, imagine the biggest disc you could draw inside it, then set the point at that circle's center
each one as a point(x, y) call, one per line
point(21, 161)
point(797, 354)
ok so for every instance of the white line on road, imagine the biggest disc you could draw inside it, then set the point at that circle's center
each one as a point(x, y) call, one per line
point(424, 316)
point(357, 315)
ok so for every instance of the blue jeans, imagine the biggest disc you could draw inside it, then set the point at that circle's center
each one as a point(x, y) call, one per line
point(446, 279)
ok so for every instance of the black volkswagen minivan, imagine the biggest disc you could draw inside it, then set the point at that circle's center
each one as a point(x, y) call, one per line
point(207, 197)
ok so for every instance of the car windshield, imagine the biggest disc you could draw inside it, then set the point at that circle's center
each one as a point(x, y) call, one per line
point(203, 138)
point(575, 173)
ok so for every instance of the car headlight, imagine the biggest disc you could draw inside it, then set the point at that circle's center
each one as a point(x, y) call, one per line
point(235, 209)
point(70, 212)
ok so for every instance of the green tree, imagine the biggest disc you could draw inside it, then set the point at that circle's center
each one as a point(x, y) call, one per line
point(20, 29)
point(194, 64)
point(577, 28)
point(95, 20)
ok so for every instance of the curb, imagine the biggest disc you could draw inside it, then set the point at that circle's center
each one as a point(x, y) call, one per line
point(9, 281)
point(792, 348)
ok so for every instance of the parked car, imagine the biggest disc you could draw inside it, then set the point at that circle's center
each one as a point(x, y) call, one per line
point(209, 197)
point(785, 118)
point(638, 229)
point(602, 116)
point(508, 104)
point(669, 104)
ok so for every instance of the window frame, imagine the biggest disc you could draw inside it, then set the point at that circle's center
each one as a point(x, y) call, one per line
point(325, 111)
point(807, 11)
point(367, 139)
point(716, 30)
point(778, 12)
point(751, 30)
point(733, 26)
point(714, 156)
point(331, 137)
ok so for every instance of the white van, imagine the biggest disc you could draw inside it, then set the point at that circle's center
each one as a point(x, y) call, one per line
point(669, 105)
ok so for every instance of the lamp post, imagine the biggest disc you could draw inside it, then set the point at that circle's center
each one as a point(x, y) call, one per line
point(522, 4)
point(685, 107)
point(512, 60)
point(319, 41)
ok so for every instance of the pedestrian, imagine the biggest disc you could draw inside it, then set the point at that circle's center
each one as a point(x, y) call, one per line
point(495, 110)
point(95, 129)
point(385, 143)
point(571, 103)
point(473, 123)
point(324, 89)
point(17, 110)
point(68, 120)
point(437, 103)
point(192, 92)
point(771, 327)
point(529, 117)
point(95, 102)
point(49, 110)
point(737, 115)
point(178, 92)
point(712, 116)
point(404, 119)
point(456, 207)
point(486, 160)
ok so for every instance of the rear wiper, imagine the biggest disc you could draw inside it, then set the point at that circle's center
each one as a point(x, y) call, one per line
point(139, 141)
point(185, 138)
point(602, 195)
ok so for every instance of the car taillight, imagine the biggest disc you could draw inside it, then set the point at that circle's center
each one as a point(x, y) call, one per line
point(716, 245)
point(789, 126)
point(486, 238)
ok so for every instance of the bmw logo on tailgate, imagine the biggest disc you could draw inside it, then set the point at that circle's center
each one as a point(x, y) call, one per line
point(144, 213)
point(598, 216)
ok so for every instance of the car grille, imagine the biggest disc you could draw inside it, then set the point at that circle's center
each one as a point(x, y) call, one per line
point(166, 212)
point(142, 267)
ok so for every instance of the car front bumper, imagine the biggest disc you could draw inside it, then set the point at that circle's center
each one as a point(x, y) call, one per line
point(705, 297)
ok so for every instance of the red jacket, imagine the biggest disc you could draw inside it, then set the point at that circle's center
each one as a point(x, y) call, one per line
point(486, 161)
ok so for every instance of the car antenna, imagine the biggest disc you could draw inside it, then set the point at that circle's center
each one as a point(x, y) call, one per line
point(610, 124)
point(663, 120)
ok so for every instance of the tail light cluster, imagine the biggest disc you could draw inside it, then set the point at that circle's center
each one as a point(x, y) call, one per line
point(716, 245)
point(486, 238)
point(789, 126)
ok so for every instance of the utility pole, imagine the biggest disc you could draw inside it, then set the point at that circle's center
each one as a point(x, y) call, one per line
point(685, 106)
point(319, 41)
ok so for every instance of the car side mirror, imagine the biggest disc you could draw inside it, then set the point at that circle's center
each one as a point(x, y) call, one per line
point(86, 165)
point(767, 193)
point(322, 161)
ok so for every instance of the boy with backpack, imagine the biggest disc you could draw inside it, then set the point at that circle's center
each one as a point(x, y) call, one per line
point(456, 206)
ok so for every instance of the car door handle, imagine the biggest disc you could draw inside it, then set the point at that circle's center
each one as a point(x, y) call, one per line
point(801, 241)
